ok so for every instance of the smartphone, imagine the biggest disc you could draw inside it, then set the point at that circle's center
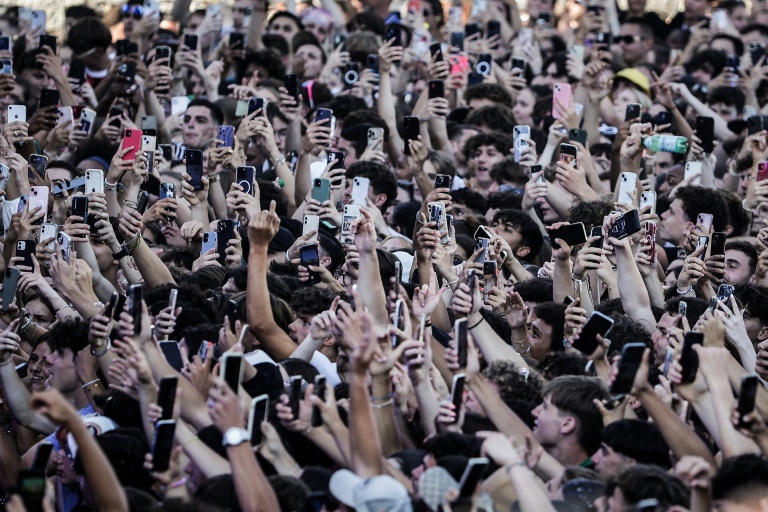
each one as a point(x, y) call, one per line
point(762, 171)
point(194, 158)
point(135, 295)
point(747, 395)
point(17, 113)
point(518, 64)
point(132, 139)
point(568, 153)
point(412, 131)
point(598, 232)
point(339, 156)
point(162, 445)
point(436, 89)
point(703, 241)
point(437, 215)
point(650, 238)
point(225, 231)
point(563, 94)
point(484, 64)
point(360, 187)
point(436, 51)
point(598, 323)
point(257, 414)
point(648, 198)
point(42, 454)
point(291, 84)
point(310, 255)
point(631, 358)
point(65, 242)
point(627, 185)
point(689, 359)
point(320, 390)
point(457, 394)
point(626, 225)
point(705, 130)
point(210, 241)
point(259, 104)
point(460, 335)
point(10, 281)
point(717, 244)
point(31, 489)
point(94, 181)
point(632, 112)
point(724, 292)
point(394, 32)
point(190, 41)
point(48, 232)
point(572, 234)
point(166, 392)
point(142, 201)
point(322, 114)
point(6, 44)
point(482, 243)
point(350, 213)
point(489, 278)
point(49, 98)
point(25, 249)
point(472, 476)
point(294, 398)
point(321, 190)
point(578, 135)
point(231, 365)
point(521, 135)
point(80, 207)
point(38, 198)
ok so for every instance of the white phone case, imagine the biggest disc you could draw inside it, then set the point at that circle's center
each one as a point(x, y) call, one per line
point(17, 113)
point(360, 190)
point(311, 223)
point(94, 181)
point(87, 117)
point(692, 168)
point(627, 184)
point(648, 198)
point(47, 231)
point(351, 212)
point(210, 241)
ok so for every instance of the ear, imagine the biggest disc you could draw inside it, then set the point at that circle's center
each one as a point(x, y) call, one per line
point(325, 261)
point(379, 200)
point(763, 334)
point(522, 251)
point(567, 425)
point(728, 230)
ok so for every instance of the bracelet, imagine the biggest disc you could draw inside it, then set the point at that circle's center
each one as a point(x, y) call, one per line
point(478, 323)
point(190, 442)
point(106, 349)
point(178, 483)
point(135, 244)
point(89, 385)
point(62, 307)
point(575, 280)
point(309, 430)
point(130, 204)
point(385, 397)
point(110, 186)
point(518, 342)
point(744, 206)
point(7, 361)
point(214, 178)
point(512, 465)
point(279, 160)
point(382, 405)
point(8, 431)
point(451, 283)
point(524, 351)
point(685, 292)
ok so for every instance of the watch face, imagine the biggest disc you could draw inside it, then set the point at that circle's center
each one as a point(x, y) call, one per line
point(235, 436)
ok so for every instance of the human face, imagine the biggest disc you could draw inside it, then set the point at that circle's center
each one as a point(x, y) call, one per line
point(620, 101)
point(283, 26)
point(636, 51)
point(40, 366)
point(728, 113)
point(539, 338)
point(703, 74)
point(40, 313)
point(522, 110)
point(608, 462)
point(724, 46)
point(674, 223)
point(756, 331)
point(509, 233)
point(280, 129)
point(241, 12)
point(37, 80)
point(64, 467)
point(659, 336)
point(483, 159)
point(350, 156)
point(299, 328)
point(551, 77)
point(547, 428)
point(198, 127)
point(63, 376)
point(737, 269)
point(662, 161)
point(57, 175)
point(15, 97)
point(695, 8)
point(458, 146)
point(197, 86)
point(311, 59)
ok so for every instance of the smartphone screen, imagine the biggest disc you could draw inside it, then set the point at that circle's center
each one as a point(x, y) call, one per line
point(320, 390)
point(166, 395)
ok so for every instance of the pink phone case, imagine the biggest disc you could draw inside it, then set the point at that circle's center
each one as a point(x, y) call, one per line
point(563, 94)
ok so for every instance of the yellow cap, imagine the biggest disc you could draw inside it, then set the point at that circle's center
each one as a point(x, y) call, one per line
point(636, 77)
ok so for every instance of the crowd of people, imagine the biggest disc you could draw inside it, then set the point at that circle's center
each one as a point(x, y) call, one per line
point(385, 257)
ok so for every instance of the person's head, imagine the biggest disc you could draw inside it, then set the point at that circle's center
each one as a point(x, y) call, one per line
point(490, 118)
point(485, 94)
point(741, 484)
point(628, 442)
point(534, 292)
point(754, 301)
point(89, 40)
point(201, 120)
point(545, 331)
point(520, 232)
point(706, 65)
point(59, 171)
point(740, 262)
point(671, 319)
point(697, 8)
point(308, 55)
point(458, 135)
point(728, 102)
point(467, 201)
point(727, 44)
point(483, 151)
point(567, 418)
point(242, 10)
point(285, 24)
point(635, 40)
point(755, 33)
point(591, 213)
point(67, 339)
point(32, 74)
point(40, 364)
point(639, 482)
point(737, 12)
point(76, 13)
point(383, 185)
point(682, 214)
point(306, 304)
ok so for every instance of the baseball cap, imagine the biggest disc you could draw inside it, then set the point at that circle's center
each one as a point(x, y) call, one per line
point(96, 425)
point(635, 77)
point(373, 494)
point(282, 242)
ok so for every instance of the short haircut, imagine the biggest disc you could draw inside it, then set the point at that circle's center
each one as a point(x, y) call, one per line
point(695, 308)
point(505, 200)
point(738, 217)
point(88, 34)
point(495, 117)
point(538, 289)
point(80, 11)
point(591, 213)
point(267, 59)
point(747, 248)
point(382, 181)
point(754, 299)
point(346, 104)
point(646, 30)
point(304, 38)
point(696, 200)
point(311, 300)
point(472, 199)
point(69, 334)
point(639, 440)
point(496, 93)
point(755, 27)
point(553, 313)
point(715, 58)
point(286, 14)
point(574, 395)
point(530, 234)
point(641, 481)
point(216, 114)
point(501, 141)
point(740, 479)
point(738, 45)
point(729, 96)
point(509, 170)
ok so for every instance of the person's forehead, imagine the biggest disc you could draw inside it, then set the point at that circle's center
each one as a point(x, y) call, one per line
point(666, 320)
point(198, 110)
point(735, 254)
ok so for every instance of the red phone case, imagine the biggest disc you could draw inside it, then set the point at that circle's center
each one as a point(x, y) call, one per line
point(132, 138)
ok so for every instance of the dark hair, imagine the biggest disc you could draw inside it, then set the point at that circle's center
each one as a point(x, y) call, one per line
point(641, 481)
point(194, 336)
point(574, 395)
point(741, 478)
point(639, 440)
point(452, 443)
point(646, 30)
point(294, 366)
point(538, 289)
point(625, 330)
point(509, 170)
point(506, 200)
point(347, 104)
point(553, 313)
point(286, 14)
point(88, 34)
point(218, 491)
point(730, 96)
point(716, 59)
point(332, 248)
point(747, 248)
point(292, 494)
point(366, 21)
point(695, 308)
point(216, 114)
point(276, 44)
point(473, 200)
point(738, 217)
point(530, 235)
point(591, 213)
point(501, 141)
point(125, 449)
point(311, 300)
point(80, 11)
point(70, 334)
point(496, 93)
point(382, 181)
point(696, 200)
point(496, 117)
point(514, 383)
point(560, 364)
point(754, 299)
point(304, 38)
point(755, 27)
point(738, 47)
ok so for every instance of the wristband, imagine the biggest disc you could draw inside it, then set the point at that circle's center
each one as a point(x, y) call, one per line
point(106, 349)
point(482, 319)
point(122, 253)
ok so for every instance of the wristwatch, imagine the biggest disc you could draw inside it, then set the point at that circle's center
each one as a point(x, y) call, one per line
point(235, 436)
point(122, 253)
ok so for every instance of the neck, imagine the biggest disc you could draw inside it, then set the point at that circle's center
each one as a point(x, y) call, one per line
point(102, 64)
point(568, 453)
point(77, 397)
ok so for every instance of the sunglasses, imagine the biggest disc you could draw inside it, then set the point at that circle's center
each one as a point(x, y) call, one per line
point(137, 11)
point(628, 39)
point(245, 11)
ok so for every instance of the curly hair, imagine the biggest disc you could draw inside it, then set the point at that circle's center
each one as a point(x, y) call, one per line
point(488, 91)
point(382, 180)
point(501, 141)
point(494, 117)
point(591, 213)
point(696, 200)
point(311, 300)
point(538, 290)
point(514, 382)
point(530, 234)
point(553, 313)
point(473, 200)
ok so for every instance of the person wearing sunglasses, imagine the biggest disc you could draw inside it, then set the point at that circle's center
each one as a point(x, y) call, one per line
point(635, 41)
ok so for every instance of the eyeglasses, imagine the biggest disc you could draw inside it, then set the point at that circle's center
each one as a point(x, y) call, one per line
point(628, 39)
point(137, 11)
point(245, 11)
